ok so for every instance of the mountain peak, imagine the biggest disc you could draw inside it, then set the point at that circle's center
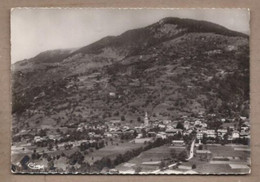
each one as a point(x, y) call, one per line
point(169, 20)
point(202, 26)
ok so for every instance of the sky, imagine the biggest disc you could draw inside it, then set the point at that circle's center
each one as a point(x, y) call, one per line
point(34, 30)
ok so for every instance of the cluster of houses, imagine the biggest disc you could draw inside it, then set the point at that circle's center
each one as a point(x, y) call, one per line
point(228, 131)
point(100, 133)
point(164, 128)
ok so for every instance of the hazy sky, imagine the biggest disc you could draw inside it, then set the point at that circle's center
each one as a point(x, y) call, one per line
point(37, 30)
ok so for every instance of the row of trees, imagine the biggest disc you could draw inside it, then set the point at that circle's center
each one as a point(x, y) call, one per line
point(97, 145)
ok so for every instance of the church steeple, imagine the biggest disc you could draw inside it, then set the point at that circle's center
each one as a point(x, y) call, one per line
point(146, 120)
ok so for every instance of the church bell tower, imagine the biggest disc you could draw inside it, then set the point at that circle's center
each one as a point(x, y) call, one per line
point(146, 120)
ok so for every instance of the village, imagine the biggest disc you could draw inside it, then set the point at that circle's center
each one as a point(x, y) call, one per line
point(189, 145)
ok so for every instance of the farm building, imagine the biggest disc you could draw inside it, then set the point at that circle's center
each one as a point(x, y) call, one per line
point(178, 142)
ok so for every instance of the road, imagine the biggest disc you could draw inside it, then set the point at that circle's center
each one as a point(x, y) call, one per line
point(191, 150)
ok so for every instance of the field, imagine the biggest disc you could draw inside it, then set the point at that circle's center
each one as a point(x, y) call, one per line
point(149, 160)
point(228, 150)
point(111, 151)
point(224, 152)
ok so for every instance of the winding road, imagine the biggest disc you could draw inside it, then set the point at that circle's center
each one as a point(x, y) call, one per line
point(191, 150)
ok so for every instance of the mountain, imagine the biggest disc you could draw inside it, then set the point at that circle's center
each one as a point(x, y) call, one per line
point(172, 68)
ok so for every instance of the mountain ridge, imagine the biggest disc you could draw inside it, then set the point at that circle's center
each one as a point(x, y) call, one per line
point(165, 69)
point(212, 27)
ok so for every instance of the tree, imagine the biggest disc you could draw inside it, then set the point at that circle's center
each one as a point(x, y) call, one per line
point(139, 119)
point(76, 157)
point(106, 162)
point(135, 133)
point(119, 159)
point(51, 165)
point(57, 147)
point(180, 125)
point(144, 133)
point(50, 146)
point(182, 156)
point(200, 147)
point(122, 118)
point(225, 141)
point(83, 146)
point(42, 133)
point(116, 113)
point(204, 138)
point(68, 146)
point(62, 154)
point(35, 155)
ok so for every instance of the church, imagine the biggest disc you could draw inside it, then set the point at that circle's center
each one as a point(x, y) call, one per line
point(146, 120)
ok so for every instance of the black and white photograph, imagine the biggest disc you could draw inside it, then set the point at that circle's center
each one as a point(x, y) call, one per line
point(130, 91)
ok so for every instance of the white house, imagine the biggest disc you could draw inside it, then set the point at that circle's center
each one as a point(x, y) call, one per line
point(197, 122)
point(186, 125)
point(37, 139)
point(235, 134)
point(244, 134)
point(221, 132)
point(108, 135)
point(112, 94)
point(166, 121)
point(244, 128)
point(162, 136)
point(204, 125)
point(162, 126)
point(178, 142)
point(211, 133)
point(199, 135)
